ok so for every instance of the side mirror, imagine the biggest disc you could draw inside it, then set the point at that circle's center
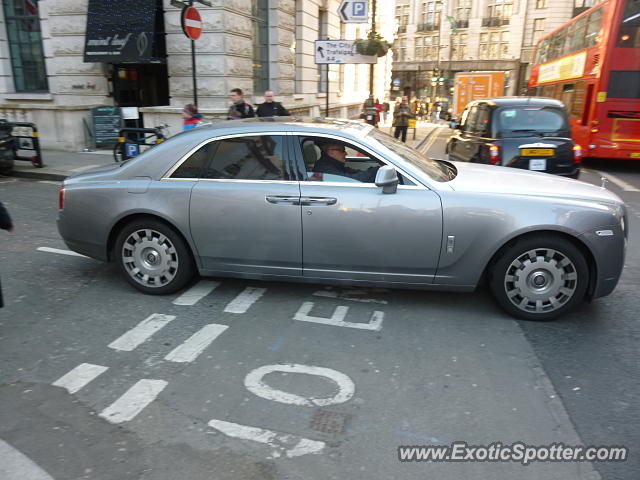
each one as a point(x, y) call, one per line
point(387, 178)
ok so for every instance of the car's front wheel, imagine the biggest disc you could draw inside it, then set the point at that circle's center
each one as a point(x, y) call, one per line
point(153, 257)
point(540, 278)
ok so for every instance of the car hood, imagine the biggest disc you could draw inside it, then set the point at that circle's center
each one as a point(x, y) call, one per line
point(473, 177)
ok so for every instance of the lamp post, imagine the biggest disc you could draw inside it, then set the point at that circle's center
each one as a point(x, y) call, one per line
point(370, 112)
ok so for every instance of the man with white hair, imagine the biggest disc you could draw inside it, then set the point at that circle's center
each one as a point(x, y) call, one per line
point(270, 108)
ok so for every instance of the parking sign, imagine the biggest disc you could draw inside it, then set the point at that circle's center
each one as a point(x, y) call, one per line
point(354, 11)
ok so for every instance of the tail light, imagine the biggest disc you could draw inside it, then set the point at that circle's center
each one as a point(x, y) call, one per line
point(494, 154)
point(577, 154)
point(61, 199)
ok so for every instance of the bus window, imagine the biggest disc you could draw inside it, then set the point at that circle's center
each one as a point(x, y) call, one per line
point(629, 35)
point(578, 101)
point(567, 47)
point(567, 94)
point(593, 28)
point(624, 84)
point(579, 34)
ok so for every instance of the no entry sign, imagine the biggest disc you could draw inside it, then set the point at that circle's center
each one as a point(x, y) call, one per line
point(191, 23)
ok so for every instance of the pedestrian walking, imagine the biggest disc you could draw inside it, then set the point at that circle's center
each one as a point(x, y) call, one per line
point(239, 108)
point(385, 110)
point(270, 108)
point(6, 224)
point(401, 118)
point(192, 118)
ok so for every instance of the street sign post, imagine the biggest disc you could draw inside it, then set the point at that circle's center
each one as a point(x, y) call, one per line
point(354, 11)
point(340, 51)
point(191, 22)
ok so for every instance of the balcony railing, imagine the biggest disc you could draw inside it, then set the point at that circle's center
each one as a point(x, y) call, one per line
point(494, 21)
point(402, 29)
point(428, 27)
point(462, 23)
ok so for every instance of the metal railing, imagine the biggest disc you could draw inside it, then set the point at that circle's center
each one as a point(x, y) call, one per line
point(428, 27)
point(494, 21)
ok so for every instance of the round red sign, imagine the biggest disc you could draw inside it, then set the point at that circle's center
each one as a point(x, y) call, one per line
point(191, 23)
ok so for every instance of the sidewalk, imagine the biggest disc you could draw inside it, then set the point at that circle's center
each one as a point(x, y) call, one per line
point(59, 165)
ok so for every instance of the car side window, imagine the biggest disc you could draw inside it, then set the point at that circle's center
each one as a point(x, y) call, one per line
point(193, 166)
point(470, 126)
point(248, 158)
point(329, 160)
point(482, 121)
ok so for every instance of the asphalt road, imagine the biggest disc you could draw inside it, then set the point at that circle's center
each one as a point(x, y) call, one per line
point(236, 379)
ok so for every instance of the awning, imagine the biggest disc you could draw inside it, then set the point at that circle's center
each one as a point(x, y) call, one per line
point(125, 31)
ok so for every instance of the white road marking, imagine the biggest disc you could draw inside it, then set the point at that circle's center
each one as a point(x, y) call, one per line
point(82, 169)
point(278, 441)
point(330, 294)
point(192, 347)
point(80, 376)
point(141, 332)
point(133, 401)
point(197, 292)
point(62, 252)
point(16, 465)
point(253, 382)
point(627, 187)
point(337, 319)
point(242, 302)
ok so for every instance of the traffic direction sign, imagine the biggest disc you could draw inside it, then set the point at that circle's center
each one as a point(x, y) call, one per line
point(192, 23)
point(354, 11)
point(340, 51)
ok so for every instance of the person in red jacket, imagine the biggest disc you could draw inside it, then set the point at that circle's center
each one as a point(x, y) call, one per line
point(191, 117)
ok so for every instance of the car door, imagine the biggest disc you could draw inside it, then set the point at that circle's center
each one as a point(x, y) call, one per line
point(351, 230)
point(244, 210)
point(464, 146)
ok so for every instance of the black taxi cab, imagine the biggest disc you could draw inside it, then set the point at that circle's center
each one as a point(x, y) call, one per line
point(531, 133)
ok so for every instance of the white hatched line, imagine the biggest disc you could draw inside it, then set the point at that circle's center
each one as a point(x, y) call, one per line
point(290, 445)
point(141, 332)
point(242, 302)
point(80, 376)
point(196, 293)
point(133, 401)
point(194, 346)
point(82, 169)
point(627, 187)
point(16, 465)
point(62, 252)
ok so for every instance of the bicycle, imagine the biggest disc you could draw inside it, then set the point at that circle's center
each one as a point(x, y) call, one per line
point(133, 141)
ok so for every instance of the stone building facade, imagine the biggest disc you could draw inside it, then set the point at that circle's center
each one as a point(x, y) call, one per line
point(488, 35)
point(250, 44)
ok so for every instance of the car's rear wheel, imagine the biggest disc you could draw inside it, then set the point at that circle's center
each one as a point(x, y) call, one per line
point(540, 278)
point(153, 257)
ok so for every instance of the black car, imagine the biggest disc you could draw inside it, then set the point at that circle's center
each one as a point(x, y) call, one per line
point(532, 133)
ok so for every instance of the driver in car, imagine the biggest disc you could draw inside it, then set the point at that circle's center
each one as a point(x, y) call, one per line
point(332, 161)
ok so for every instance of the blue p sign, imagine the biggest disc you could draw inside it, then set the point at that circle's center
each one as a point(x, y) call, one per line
point(359, 9)
point(132, 150)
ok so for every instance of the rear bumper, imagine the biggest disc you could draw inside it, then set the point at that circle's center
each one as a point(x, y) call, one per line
point(572, 170)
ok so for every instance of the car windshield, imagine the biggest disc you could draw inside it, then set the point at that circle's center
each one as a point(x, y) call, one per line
point(438, 171)
point(533, 120)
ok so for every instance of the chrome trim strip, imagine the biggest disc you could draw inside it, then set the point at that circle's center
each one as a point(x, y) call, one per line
point(604, 233)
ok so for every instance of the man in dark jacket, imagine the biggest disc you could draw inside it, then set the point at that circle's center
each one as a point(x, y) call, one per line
point(5, 224)
point(270, 108)
point(239, 108)
point(332, 161)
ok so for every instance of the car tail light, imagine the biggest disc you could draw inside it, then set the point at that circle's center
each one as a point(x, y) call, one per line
point(577, 154)
point(61, 199)
point(494, 154)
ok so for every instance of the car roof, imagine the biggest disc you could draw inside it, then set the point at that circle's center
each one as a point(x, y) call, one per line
point(520, 101)
point(299, 124)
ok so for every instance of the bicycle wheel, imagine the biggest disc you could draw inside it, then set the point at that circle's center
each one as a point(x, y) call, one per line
point(118, 152)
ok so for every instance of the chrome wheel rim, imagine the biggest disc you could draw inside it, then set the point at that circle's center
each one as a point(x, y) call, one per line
point(541, 280)
point(150, 258)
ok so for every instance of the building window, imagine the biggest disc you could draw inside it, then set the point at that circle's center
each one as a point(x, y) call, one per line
point(462, 13)
point(402, 15)
point(459, 43)
point(504, 45)
point(322, 35)
point(484, 46)
point(430, 14)
point(538, 29)
point(25, 45)
point(540, 4)
point(260, 13)
point(418, 52)
point(501, 9)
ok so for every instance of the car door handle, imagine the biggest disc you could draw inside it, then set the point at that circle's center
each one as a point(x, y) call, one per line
point(318, 201)
point(282, 199)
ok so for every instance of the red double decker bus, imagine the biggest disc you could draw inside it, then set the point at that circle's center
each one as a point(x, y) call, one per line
point(592, 64)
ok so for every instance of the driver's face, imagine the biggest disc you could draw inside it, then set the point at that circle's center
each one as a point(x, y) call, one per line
point(337, 152)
